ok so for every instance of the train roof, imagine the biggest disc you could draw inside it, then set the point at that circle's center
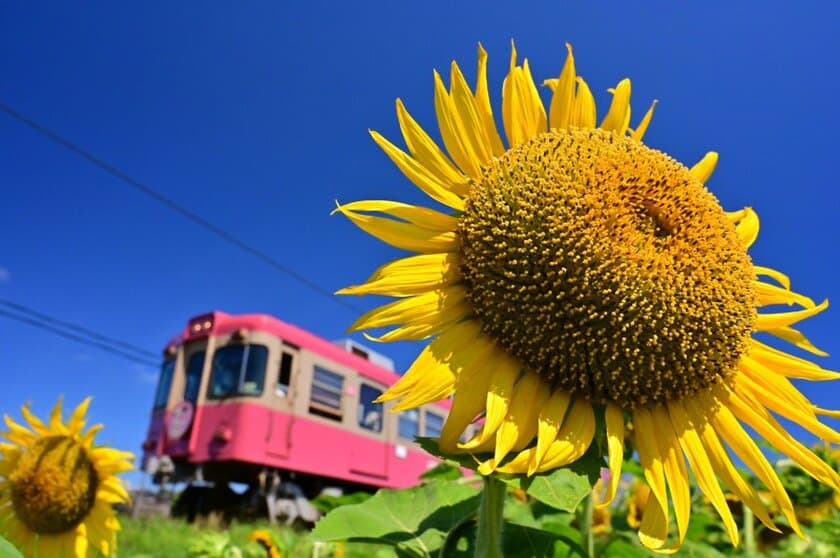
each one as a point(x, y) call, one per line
point(222, 323)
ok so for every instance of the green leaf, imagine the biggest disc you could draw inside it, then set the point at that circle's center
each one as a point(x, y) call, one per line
point(448, 470)
point(8, 550)
point(415, 520)
point(430, 445)
point(518, 541)
point(618, 548)
point(562, 489)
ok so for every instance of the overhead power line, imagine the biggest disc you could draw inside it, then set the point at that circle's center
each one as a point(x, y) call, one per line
point(79, 338)
point(79, 328)
point(172, 204)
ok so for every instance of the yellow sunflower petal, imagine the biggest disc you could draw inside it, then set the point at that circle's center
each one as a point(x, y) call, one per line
point(429, 155)
point(783, 407)
point(654, 529)
point(471, 386)
point(411, 309)
point(520, 424)
point(406, 236)
point(409, 276)
point(766, 322)
point(573, 439)
point(789, 365)
point(746, 225)
point(618, 115)
point(455, 137)
point(585, 114)
point(728, 427)
point(562, 102)
point(701, 466)
point(760, 421)
point(723, 465)
point(419, 175)
point(548, 425)
point(523, 113)
point(499, 394)
point(761, 374)
point(614, 419)
point(796, 338)
point(771, 294)
point(676, 474)
point(482, 103)
point(77, 418)
point(641, 129)
point(782, 279)
point(703, 169)
point(431, 376)
point(469, 121)
point(34, 422)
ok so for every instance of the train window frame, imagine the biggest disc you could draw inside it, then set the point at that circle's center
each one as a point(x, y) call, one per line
point(426, 414)
point(416, 422)
point(362, 421)
point(161, 400)
point(239, 390)
point(321, 408)
point(281, 388)
point(188, 368)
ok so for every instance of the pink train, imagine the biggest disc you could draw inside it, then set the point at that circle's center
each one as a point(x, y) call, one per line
point(242, 396)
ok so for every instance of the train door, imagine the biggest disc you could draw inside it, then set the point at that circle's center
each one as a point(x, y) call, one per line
point(369, 453)
point(282, 397)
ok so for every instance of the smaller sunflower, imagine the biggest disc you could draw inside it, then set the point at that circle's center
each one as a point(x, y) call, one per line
point(636, 503)
point(57, 488)
point(812, 501)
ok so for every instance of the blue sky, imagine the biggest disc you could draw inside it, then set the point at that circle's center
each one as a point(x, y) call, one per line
point(255, 116)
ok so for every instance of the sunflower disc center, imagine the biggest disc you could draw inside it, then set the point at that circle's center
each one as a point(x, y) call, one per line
point(53, 486)
point(607, 268)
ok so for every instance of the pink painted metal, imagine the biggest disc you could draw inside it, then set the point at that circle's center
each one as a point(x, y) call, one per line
point(256, 433)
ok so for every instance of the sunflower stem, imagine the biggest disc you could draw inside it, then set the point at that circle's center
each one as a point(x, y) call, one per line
point(749, 532)
point(488, 538)
point(586, 525)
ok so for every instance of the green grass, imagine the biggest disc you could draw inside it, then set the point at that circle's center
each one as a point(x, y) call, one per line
point(161, 537)
point(167, 538)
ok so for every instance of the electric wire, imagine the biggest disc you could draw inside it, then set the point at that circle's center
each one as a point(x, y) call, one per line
point(79, 328)
point(185, 212)
point(79, 338)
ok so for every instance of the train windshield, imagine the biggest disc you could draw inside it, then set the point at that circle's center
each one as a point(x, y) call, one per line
point(167, 370)
point(238, 370)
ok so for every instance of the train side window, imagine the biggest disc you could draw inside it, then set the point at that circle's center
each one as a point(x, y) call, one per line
point(193, 377)
point(167, 370)
point(284, 376)
point(409, 424)
point(434, 425)
point(370, 413)
point(327, 388)
point(238, 370)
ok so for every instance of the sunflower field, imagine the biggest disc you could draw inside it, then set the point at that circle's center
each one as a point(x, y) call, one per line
point(618, 366)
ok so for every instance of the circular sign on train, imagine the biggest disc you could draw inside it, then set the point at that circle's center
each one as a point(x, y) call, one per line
point(179, 421)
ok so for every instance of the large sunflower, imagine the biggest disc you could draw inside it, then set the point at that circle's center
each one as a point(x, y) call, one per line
point(57, 488)
point(583, 276)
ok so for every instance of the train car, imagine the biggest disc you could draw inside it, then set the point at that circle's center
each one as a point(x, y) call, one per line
point(240, 396)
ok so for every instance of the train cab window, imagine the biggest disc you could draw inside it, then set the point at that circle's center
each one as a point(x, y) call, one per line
point(434, 425)
point(167, 370)
point(409, 424)
point(238, 370)
point(325, 399)
point(193, 377)
point(370, 413)
point(284, 376)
